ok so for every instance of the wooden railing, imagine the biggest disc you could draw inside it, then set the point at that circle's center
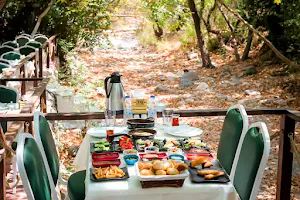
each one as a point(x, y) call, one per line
point(285, 156)
point(38, 63)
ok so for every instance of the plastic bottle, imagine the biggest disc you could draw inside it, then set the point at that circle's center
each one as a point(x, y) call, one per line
point(151, 108)
point(127, 109)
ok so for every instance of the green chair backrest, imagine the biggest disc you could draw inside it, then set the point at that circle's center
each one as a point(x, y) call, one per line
point(251, 162)
point(12, 44)
point(2, 66)
point(11, 56)
point(230, 136)
point(34, 44)
point(41, 39)
point(5, 49)
point(7, 95)
point(49, 147)
point(26, 50)
point(22, 40)
point(35, 170)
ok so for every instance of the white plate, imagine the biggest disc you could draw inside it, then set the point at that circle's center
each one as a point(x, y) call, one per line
point(183, 131)
point(101, 131)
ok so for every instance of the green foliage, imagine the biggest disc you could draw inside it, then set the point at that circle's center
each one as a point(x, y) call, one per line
point(170, 14)
point(71, 20)
point(213, 44)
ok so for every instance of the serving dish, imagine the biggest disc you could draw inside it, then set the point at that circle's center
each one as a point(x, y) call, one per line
point(100, 132)
point(153, 156)
point(105, 155)
point(141, 144)
point(150, 181)
point(183, 131)
point(93, 178)
point(130, 152)
point(122, 143)
point(194, 142)
point(195, 177)
point(100, 146)
point(106, 162)
point(140, 123)
point(143, 133)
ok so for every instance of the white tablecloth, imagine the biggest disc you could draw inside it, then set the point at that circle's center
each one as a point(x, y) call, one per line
point(131, 189)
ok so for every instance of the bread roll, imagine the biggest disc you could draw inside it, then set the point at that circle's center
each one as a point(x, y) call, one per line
point(158, 165)
point(182, 166)
point(146, 172)
point(172, 171)
point(198, 161)
point(160, 172)
point(207, 172)
point(208, 164)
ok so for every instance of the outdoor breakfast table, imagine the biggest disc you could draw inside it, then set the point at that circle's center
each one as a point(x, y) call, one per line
point(131, 188)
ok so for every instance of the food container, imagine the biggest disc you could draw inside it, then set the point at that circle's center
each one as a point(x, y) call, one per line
point(130, 152)
point(176, 157)
point(151, 149)
point(153, 156)
point(106, 163)
point(144, 133)
point(140, 123)
point(192, 156)
point(161, 181)
point(105, 155)
point(131, 159)
point(174, 150)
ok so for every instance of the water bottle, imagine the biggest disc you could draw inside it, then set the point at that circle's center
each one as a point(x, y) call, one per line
point(127, 109)
point(151, 108)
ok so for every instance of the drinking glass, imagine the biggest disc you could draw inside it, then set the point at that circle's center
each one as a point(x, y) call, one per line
point(109, 131)
point(167, 117)
point(175, 120)
point(110, 118)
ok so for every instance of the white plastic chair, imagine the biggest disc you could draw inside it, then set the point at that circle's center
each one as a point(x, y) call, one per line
point(251, 161)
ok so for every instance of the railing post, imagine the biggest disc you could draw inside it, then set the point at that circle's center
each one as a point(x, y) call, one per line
point(285, 159)
point(48, 55)
point(23, 84)
point(2, 177)
point(40, 62)
point(35, 83)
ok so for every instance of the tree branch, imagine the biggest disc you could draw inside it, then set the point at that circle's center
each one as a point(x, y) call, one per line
point(268, 43)
point(38, 23)
point(2, 4)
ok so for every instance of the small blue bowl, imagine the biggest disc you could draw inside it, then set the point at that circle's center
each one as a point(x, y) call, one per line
point(176, 157)
point(131, 159)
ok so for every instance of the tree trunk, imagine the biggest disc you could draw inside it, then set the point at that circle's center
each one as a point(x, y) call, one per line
point(267, 42)
point(236, 52)
point(206, 62)
point(248, 46)
point(158, 31)
point(2, 4)
point(38, 23)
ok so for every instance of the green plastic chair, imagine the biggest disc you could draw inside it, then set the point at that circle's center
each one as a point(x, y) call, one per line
point(5, 49)
point(26, 50)
point(12, 44)
point(3, 65)
point(8, 95)
point(251, 162)
point(234, 128)
point(11, 56)
point(44, 138)
point(34, 44)
point(41, 39)
point(32, 170)
point(22, 40)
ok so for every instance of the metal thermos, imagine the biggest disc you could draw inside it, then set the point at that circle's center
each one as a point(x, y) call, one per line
point(114, 92)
